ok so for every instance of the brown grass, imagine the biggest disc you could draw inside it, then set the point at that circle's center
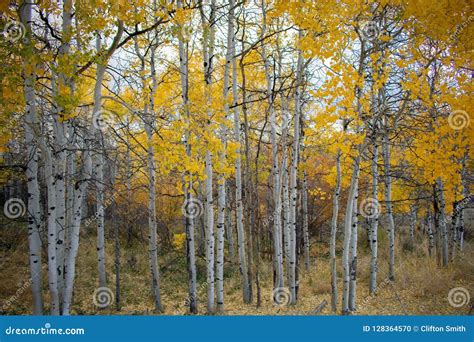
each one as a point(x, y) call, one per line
point(421, 286)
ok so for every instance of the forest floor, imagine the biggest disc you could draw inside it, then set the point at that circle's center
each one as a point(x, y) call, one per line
point(421, 287)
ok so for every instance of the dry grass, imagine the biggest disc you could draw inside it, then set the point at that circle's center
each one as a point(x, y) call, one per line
point(421, 287)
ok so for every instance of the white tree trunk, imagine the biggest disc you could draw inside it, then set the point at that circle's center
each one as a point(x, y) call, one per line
point(229, 225)
point(332, 248)
point(293, 175)
point(353, 253)
point(347, 234)
point(241, 240)
point(98, 171)
point(276, 187)
point(442, 221)
point(52, 229)
point(221, 206)
point(286, 210)
point(305, 221)
point(61, 144)
point(429, 220)
point(187, 179)
point(388, 204)
point(80, 189)
point(208, 27)
point(153, 243)
point(34, 208)
point(374, 222)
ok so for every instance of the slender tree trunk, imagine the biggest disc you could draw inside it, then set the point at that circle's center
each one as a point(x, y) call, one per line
point(229, 225)
point(153, 243)
point(442, 222)
point(353, 253)
point(305, 221)
point(117, 253)
point(208, 52)
point(374, 223)
point(222, 185)
point(332, 247)
point(34, 208)
point(80, 188)
point(276, 187)
point(286, 210)
point(293, 174)
point(187, 179)
point(220, 247)
point(52, 229)
point(436, 220)
point(61, 144)
point(429, 220)
point(388, 203)
point(346, 267)
point(98, 171)
point(241, 240)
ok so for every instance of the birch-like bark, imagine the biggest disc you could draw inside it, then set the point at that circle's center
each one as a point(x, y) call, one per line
point(293, 174)
point(80, 189)
point(374, 223)
point(117, 250)
point(229, 225)
point(332, 247)
point(286, 208)
point(305, 221)
point(346, 269)
point(221, 201)
point(52, 229)
point(187, 179)
point(455, 222)
point(437, 230)
point(220, 246)
point(34, 208)
point(241, 240)
point(388, 204)
point(98, 171)
point(153, 243)
point(276, 187)
point(429, 220)
point(208, 27)
point(353, 253)
point(442, 221)
point(60, 146)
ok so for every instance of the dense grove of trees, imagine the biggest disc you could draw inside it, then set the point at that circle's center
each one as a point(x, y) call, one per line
point(224, 127)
